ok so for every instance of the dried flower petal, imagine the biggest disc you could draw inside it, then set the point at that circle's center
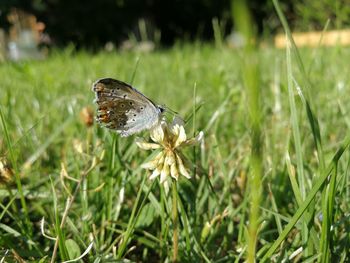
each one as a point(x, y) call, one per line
point(182, 168)
point(174, 171)
point(181, 136)
point(166, 186)
point(157, 133)
point(153, 164)
point(164, 173)
point(155, 173)
point(170, 159)
point(195, 140)
point(146, 145)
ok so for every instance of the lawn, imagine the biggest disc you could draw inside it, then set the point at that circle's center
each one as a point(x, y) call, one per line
point(304, 120)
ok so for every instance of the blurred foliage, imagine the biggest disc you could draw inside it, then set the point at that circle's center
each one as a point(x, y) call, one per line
point(314, 14)
point(94, 23)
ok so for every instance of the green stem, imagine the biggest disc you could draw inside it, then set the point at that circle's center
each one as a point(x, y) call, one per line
point(175, 222)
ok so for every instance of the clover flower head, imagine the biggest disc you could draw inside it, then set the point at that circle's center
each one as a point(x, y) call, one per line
point(169, 139)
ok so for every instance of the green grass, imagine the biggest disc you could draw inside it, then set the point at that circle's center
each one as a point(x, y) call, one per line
point(305, 193)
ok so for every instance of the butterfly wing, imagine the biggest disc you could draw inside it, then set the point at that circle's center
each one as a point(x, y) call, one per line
point(123, 108)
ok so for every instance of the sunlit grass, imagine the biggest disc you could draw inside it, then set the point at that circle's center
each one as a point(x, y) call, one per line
point(127, 216)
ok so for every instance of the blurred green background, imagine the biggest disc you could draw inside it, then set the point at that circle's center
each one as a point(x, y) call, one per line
point(94, 23)
point(269, 182)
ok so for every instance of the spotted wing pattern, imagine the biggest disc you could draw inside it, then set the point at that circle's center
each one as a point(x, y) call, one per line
point(123, 108)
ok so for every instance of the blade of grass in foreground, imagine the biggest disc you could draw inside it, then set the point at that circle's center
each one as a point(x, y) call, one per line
point(251, 79)
point(309, 105)
point(318, 184)
point(307, 100)
point(59, 232)
point(328, 199)
point(133, 217)
point(17, 176)
point(298, 148)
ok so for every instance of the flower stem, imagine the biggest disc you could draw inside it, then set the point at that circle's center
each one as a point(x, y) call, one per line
point(175, 222)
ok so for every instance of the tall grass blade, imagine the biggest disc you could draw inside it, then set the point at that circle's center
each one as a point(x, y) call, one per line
point(133, 217)
point(297, 143)
point(309, 198)
point(251, 80)
point(17, 175)
point(309, 102)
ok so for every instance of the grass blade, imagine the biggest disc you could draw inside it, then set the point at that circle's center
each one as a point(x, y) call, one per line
point(317, 186)
point(17, 175)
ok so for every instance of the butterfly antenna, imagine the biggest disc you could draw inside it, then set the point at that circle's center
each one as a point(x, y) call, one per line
point(166, 109)
point(176, 117)
point(171, 111)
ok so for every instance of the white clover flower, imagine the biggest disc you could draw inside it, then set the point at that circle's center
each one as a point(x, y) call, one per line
point(169, 138)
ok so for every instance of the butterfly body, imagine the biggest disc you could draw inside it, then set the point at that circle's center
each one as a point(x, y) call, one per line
point(123, 108)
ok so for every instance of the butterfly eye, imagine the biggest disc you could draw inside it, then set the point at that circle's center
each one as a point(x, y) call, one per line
point(134, 115)
point(130, 103)
point(124, 96)
point(141, 108)
point(122, 105)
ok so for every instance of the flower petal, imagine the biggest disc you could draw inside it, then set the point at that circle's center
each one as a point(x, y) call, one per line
point(164, 173)
point(149, 165)
point(174, 130)
point(181, 135)
point(182, 168)
point(153, 164)
point(166, 186)
point(146, 145)
point(194, 140)
point(174, 171)
point(155, 173)
point(170, 158)
point(157, 133)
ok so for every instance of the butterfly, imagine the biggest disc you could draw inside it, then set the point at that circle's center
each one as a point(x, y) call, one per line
point(123, 108)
